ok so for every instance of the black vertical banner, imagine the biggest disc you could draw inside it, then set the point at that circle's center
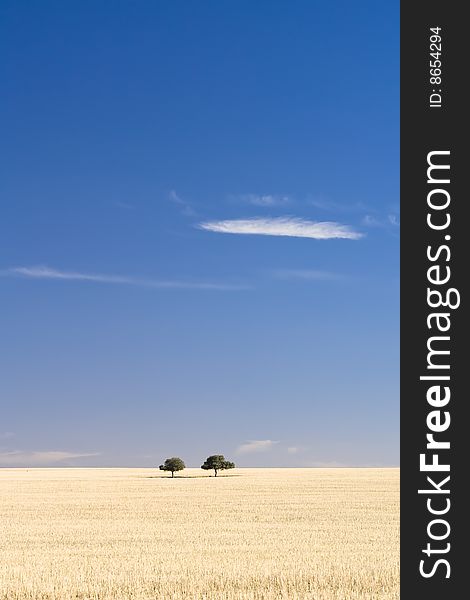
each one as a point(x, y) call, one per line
point(434, 255)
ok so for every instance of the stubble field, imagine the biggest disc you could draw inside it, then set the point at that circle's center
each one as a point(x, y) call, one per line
point(250, 534)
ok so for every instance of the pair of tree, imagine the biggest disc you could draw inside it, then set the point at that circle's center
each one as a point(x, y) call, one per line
point(215, 463)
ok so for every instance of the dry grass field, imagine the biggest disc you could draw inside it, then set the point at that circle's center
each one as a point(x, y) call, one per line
point(122, 534)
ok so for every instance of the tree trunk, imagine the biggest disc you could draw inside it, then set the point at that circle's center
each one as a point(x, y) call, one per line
point(215, 471)
point(172, 473)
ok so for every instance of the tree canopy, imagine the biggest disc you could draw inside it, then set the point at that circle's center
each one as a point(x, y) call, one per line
point(216, 463)
point(172, 464)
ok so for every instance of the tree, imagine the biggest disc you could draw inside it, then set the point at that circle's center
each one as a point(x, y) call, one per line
point(217, 462)
point(172, 464)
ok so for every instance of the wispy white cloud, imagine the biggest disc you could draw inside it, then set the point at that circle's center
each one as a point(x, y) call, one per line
point(264, 199)
point(337, 207)
point(283, 226)
point(306, 275)
point(44, 272)
point(184, 207)
point(255, 446)
point(378, 221)
point(292, 450)
point(370, 221)
point(125, 205)
point(35, 458)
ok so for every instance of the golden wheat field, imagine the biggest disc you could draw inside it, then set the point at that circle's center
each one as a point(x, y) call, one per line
point(122, 534)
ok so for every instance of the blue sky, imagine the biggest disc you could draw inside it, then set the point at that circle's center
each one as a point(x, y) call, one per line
point(199, 232)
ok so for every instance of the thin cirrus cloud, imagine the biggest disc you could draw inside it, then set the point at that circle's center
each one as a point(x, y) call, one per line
point(306, 275)
point(43, 272)
point(267, 200)
point(20, 458)
point(184, 207)
point(125, 205)
point(285, 227)
point(255, 446)
point(374, 221)
point(338, 207)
